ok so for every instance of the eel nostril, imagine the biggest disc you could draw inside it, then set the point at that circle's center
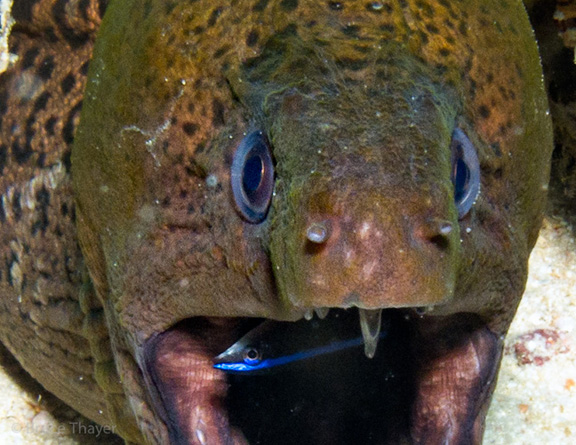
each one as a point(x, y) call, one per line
point(318, 232)
point(440, 241)
point(438, 233)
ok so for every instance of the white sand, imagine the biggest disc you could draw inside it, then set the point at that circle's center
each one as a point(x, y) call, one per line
point(536, 403)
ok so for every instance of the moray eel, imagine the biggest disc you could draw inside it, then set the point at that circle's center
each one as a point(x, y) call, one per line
point(269, 159)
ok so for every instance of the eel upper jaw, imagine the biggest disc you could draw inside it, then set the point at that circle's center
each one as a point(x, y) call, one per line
point(370, 325)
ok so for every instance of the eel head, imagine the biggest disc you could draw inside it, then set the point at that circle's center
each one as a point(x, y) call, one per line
point(300, 169)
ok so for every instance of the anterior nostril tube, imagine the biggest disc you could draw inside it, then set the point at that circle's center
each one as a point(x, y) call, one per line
point(445, 228)
point(318, 233)
point(438, 232)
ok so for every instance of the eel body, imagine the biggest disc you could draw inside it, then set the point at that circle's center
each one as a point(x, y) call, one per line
point(268, 159)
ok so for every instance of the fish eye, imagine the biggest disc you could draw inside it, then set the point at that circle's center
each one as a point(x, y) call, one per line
point(252, 356)
point(465, 174)
point(252, 176)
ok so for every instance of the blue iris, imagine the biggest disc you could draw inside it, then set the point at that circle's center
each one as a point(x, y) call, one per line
point(252, 177)
point(465, 172)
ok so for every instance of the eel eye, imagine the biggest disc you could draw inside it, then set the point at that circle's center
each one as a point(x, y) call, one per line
point(252, 177)
point(252, 356)
point(465, 174)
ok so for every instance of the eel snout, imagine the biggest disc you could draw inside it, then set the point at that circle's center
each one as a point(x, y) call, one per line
point(368, 251)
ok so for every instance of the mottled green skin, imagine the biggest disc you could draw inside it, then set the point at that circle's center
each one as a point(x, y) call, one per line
point(143, 98)
point(350, 98)
point(359, 104)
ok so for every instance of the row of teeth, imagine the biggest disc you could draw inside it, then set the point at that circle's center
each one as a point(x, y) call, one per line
point(370, 324)
point(321, 312)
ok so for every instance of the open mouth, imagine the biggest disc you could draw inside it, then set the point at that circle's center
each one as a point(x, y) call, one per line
point(310, 381)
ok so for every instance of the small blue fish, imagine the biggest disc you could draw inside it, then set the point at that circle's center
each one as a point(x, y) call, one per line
point(274, 343)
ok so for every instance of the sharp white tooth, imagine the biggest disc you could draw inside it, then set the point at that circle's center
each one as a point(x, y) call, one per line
point(370, 322)
point(322, 312)
point(308, 314)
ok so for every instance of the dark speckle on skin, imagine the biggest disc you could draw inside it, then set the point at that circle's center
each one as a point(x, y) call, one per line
point(66, 160)
point(30, 57)
point(41, 101)
point(222, 51)
point(496, 148)
point(252, 38)
point(189, 128)
point(84, 68)
point(46, 68)
point(432, 29)
point(218, 113)
point(21, 153)
point(16, 206)
point(214, 17)
point(260, 5)
point(50, 124)
point(3, 156)
point(351, 30)
point(484, 111)
point(336, 6)
point(289, 5)
point(69, 125)
point(444, 52)
point(41, 160)
point(42, 202)
point(67, 83)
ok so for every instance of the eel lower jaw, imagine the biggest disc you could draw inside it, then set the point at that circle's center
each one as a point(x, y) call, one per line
point(186, 392)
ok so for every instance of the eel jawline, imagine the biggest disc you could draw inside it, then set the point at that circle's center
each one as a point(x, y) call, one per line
point(187, 392)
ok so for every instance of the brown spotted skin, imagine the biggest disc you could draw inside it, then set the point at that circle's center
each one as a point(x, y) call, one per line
point(50, 319)
point(358, 99)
